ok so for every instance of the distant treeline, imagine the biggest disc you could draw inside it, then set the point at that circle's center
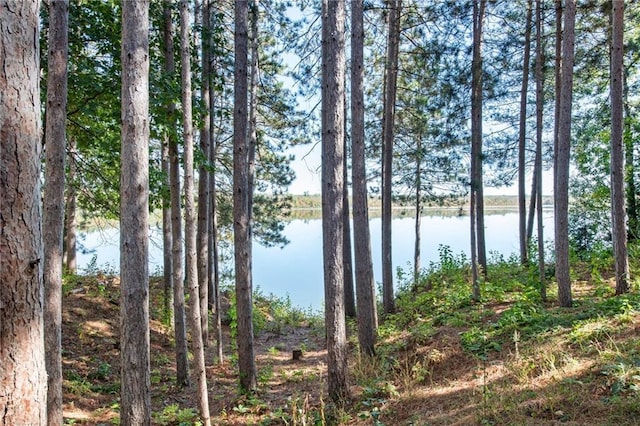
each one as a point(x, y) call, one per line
point(300, 202)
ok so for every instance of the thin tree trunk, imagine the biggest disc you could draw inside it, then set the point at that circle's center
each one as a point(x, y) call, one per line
point(522, 146)
point(476, 146)
point(391, 74)
point(558, 88)
point(532, 202)
point(241, 200)
point(202, 240)
point(533, 197)
point(561, 190)
point(365, 284)
point(214, 279)
point(333, 69)
point(135, 377)
point(418, 211)
point(53, 221)
point(538, 162)
point(475, 284)
point(23, 377)
point(349, 296)
point(619, 231)
point(214, 262)
point(70, 212)
point(476, 137)
point(180, 329)
point(167, 241)
point(253, 108)
point(191, 264)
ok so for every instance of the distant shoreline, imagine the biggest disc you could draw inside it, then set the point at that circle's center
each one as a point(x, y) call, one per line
point(491, 202)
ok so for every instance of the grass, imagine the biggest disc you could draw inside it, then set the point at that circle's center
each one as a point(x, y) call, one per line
point(440, 359)
point(510, 359)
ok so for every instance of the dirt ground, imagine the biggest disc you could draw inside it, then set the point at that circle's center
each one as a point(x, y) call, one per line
point(91, 366)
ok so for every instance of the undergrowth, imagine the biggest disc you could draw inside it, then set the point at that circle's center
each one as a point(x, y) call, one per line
point(518, 350)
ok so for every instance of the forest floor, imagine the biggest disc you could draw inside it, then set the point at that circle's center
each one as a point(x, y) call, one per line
point(440, 361)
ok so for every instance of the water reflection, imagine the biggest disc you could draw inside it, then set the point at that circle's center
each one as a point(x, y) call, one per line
point(296, 269)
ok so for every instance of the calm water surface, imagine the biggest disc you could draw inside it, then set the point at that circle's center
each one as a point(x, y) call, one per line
point(296, 269)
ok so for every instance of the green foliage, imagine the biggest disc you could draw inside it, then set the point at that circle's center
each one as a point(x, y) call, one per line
point(273, 314)
point(623, 377)
point(174, 415)
point(373, 399)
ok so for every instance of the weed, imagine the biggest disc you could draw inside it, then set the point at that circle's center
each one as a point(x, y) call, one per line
point(265, 374)
point(102, 372)
point(173, 414)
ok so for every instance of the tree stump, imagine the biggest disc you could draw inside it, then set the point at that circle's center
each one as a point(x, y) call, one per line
point(296, 354)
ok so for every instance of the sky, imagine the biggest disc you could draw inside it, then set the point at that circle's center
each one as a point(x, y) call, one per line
point(309, 180)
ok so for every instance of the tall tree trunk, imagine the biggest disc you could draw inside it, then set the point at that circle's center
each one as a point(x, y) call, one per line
point(333, 71)
point(476, 133)
point(254, 13)
point(558, 88)
point(202, 240)
point(214, 285)
point(532, 202)
point(476, 214)
point(167, 236)
point(365, 284)
point(167, 240)
point(349, 296)
point(475, 284)
point(191, 264)
point(180, 329)
point(53, 221)
point(619, 231)
point(23, 377)
point(135, 377)
point(214, 273)
point(539, 76)
point(561, 190)
point(391, 74)
point(70, 212)
point(418, 211)
point(241, 200)
point(522, 139)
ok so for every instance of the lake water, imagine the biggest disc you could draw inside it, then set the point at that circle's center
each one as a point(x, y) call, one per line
point(296, 269)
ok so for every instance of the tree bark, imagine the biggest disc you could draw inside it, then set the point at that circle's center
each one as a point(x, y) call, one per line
point(475, 284)
point(191, 264)
point(135, 377)
point(558, 87)
point(476, 135)
point(532, 202)
point(241, 200)
point(23, 377)
point(333, 71)
point(204, 213)
point(391, 74)
point(53, 221)
point(180, 329)
point(214, 270)
point(349, 296)
point(618, 218)
point(365, 284)
point(522, 138)
point(418, 211)
point(539, 76)
point(167, 240)
point(561, 190)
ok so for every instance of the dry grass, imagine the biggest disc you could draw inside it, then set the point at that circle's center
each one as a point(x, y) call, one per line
point(580, 372)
